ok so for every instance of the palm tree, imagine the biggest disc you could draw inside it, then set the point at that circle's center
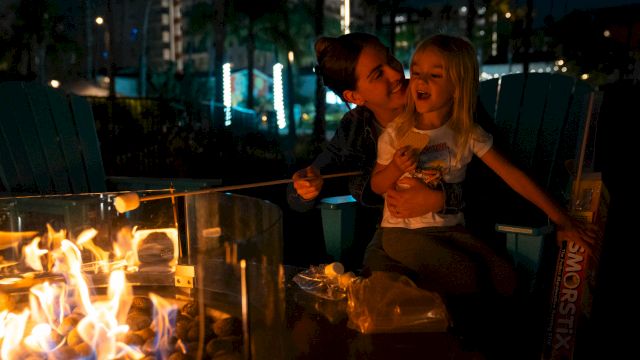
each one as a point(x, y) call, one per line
point(382, 8)
point(278, 28)
point(267, 27)
point(143, 51)
point(38, 30)
point(208, 22)
point(88, 23)
point(220, 14)
point(248, 16)
point(320, 122)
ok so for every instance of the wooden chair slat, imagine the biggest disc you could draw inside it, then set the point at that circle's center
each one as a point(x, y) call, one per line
point(47, 140)
point(488, 95)
point(69, 142)
point(552, 132)
point(89, 143)
point(15, 160)
point(510, 93)
point(529, 121)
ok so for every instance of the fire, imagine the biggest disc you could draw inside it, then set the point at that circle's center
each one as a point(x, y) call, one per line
point(162, 321)
point(85, 240)
point(63, 317)
point(32, 254)
point(16, 323)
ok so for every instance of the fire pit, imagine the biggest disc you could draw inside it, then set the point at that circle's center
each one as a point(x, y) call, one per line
point(196, 276)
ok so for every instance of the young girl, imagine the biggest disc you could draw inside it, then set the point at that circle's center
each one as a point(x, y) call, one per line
point(440, 108)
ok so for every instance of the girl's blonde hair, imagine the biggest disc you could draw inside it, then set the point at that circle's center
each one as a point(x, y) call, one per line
point(461, 66)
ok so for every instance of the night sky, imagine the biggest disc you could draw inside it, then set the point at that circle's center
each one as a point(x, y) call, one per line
point(559, 8)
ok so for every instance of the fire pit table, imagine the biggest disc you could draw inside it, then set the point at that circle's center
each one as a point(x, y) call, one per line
point(195, 276)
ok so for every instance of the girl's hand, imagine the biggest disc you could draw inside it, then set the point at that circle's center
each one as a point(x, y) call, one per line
point(308, 183)
point(579, 232)
point(405, 159)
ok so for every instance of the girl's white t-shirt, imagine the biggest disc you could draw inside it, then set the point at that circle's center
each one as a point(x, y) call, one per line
point(438, 156)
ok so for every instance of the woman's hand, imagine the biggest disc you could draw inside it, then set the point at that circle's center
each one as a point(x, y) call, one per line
point(308, 183)
point(414, 199)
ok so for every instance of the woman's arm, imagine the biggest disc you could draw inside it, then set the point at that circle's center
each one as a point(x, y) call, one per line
point(568, 228)
point(416, 200)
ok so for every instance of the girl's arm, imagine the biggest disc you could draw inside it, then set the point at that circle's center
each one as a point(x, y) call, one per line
point(568, 228)
point(384, 177)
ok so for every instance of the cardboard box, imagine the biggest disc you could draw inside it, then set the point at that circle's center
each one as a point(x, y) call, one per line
point(575, 274)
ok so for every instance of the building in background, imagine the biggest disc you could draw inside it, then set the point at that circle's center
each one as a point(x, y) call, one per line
point(76, 47)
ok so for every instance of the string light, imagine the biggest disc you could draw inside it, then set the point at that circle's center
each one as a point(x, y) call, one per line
point(278, 96)
point(226, 85)
point(345, 14)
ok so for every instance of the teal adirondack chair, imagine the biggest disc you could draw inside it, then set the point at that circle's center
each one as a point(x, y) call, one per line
point(49, 145)
point(537, 120)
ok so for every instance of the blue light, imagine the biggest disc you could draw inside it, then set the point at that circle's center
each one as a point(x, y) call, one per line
point(134, 34)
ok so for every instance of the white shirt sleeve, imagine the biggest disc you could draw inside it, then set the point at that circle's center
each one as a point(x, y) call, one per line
point(481, 141)
point(386, 147)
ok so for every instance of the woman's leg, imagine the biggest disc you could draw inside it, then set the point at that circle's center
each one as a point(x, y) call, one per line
point(376, 259)
point(450, 259)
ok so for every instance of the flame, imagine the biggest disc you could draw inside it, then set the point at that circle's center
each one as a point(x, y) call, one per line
point(102, 327)
point(43, 327)
point(162, 321)
point(54, 239)
point(10, 239)
point(32, 254)
point(17, 324)
point(41, 339)
point(48, 304)
point(123, 249)
point(85, 241)
point(69, 263)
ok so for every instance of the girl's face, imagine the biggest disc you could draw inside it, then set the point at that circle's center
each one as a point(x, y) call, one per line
point(432, 90)
point(380, 79)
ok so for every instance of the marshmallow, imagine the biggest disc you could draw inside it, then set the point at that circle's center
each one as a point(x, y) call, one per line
point(126, 202)
point(334, 269)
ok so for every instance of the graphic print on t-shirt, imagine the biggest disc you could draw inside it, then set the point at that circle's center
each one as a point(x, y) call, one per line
point(433, 162)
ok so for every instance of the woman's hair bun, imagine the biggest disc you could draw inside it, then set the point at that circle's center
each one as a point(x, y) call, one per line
point(321, 44)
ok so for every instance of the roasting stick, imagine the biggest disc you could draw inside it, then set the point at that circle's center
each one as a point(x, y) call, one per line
point(583, 146)
point(130, 201)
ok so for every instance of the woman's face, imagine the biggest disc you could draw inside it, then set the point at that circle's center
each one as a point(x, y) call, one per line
point(380, 79)
point(432, 90)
